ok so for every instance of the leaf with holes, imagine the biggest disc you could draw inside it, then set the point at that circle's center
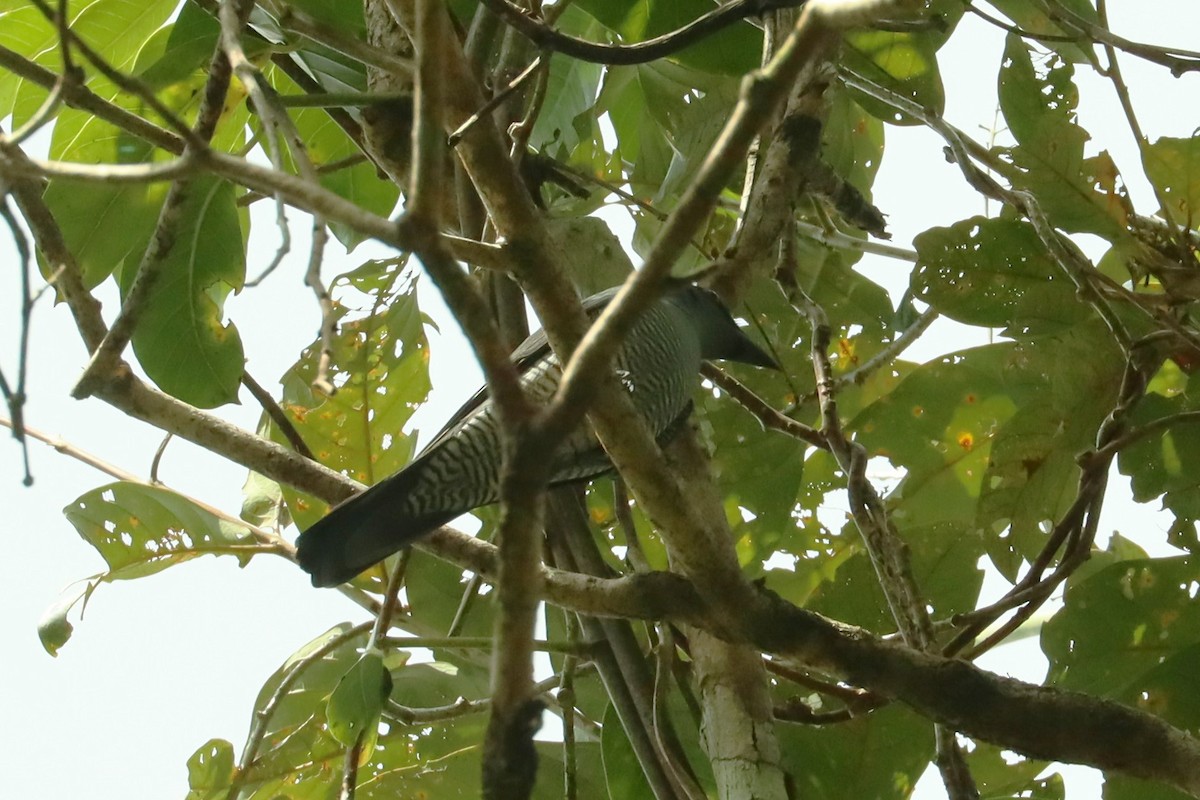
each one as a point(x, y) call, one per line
point(995, 273)
point(380, 366)
point(1077, 193)
point(1174, 166)
point(140, 530)
point(210, 770)
point(1119, 627)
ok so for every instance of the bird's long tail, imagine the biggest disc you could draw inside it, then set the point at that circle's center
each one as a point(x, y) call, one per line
point(364, 530)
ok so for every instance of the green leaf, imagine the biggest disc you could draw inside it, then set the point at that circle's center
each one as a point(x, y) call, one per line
point(210, 770)
point(175, 52)
point(180, 340)
point(435, 590)
point(345, 18)
point(904, 62)
point(989, 436)
point(938, 425)
point(115, 29)
point(882, 754)
point(140, 530)
point(1031, 478)
point(103, 225)
point(589, 772)
point(326, 144)
point(1078, 194)
point(571, 88)
point(357, 701)
point(757, 471)
point(1121, 625)
point(597, 259)
point(1032, 17)
point(734, 50)
point(262, 502)
point(944, 561)
point(622, 771)
point(1005, 775)
point(54, 629)
point(1173, 165)
point(995, 273)
point(1167, 691)
point(1168, 463)
point(852, 142)
point(297, 749)
point(25, 30)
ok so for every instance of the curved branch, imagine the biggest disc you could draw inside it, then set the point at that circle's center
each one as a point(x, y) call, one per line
point(706, 25)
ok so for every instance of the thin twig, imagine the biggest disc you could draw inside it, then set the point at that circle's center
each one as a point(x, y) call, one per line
point(258, 730)
point(125, 82)
point(770, 418)
point(78, 96)
point(1177, 60)
point(350, 768)
point(104, 359)
point(14, 396)
point(1145, 431)
point(391, 598)
point(493, 102)
point(278, 544)
point(547, 38)
point(277, 415)
point(891, 352)
point(1143, 144)
point(157, 460)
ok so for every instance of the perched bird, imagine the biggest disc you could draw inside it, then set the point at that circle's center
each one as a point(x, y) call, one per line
point(659, 364)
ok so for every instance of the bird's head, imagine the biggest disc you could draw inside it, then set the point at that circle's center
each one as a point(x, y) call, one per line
point(720, 336)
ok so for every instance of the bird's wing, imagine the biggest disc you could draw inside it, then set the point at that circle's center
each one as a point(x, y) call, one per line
point(529, 352)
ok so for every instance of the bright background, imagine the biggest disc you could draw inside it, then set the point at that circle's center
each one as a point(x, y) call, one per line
point(160, 665)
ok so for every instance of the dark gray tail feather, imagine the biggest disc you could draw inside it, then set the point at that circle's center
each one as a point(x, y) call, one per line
point(363, 531)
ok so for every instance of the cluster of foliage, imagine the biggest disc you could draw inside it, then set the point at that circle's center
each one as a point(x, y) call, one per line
point(1004, 449)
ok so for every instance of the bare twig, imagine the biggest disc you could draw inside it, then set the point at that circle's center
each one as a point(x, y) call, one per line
point(547, 38)
point(770, 418)
point(272, 410)
point(1177, 60)
point(157, 460)
point(14, 396)
point(1143, 145)
point(495, 101)
point(276, 542)
point(890, 353)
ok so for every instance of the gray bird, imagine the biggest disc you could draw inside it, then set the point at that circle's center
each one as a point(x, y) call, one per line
point(659, 365)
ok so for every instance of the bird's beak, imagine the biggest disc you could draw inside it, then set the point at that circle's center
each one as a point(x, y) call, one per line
point(750, 353)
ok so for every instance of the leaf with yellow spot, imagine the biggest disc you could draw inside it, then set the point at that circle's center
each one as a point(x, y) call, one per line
point(379, 359)
point(140, 530)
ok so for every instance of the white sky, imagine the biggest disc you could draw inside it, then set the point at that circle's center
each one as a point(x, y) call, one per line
point(162, 664)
